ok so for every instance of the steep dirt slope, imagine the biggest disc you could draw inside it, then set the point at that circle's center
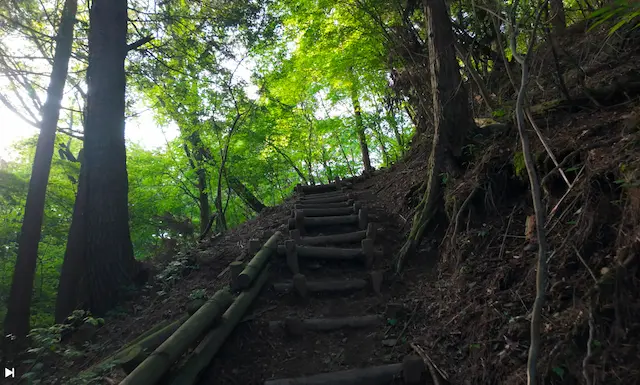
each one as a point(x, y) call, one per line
point(465, 297)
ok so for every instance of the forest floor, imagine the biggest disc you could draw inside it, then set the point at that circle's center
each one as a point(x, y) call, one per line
point(465, 298)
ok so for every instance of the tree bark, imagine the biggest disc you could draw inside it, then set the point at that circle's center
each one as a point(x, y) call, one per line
point(451, 119)
point(362, 138)
point(99, 257)
point(558, 19)
point(16, 321)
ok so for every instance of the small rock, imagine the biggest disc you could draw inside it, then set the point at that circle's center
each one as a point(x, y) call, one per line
point(389, 342)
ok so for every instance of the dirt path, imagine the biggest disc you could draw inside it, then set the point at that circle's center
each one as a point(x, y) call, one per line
point(262, 348)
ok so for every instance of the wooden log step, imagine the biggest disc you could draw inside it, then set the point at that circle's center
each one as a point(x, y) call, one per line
point(301, 222)
point(331, 199)
point(329, 194)
point(303, 287)
point(319, 252)
point(295, 326)
point(254, 267)
point(293, 252)
point(302, 206)
point(328, 212)
point(319, 188)
point(412, 370)
point(352, 237)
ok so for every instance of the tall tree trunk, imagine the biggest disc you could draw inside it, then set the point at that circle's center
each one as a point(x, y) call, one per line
point(451, 119)
point(203, 196)
point(393, 123)
point(244, 193)
point(558, 19)
point(362, 138)
point(221, 219)
point(99, 257)
point(16, 321)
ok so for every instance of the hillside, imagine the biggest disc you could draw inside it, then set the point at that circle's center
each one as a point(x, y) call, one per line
point(465, 297)
point(176, 287)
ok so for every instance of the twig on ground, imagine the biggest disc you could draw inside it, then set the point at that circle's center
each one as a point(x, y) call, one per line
point(587, 357)
point(575, 152)
point(406, 324)
point(462, 208)
point(546, 146)
point(434, 370)
point(504, 238)
point(571, 186)
point(585, 264)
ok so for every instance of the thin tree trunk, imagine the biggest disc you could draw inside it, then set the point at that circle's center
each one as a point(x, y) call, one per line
point(16, 321)
point(362, 138)
point(203, 195)
point(221, 220)
point(309, 149)
point(451, 119)
point(393, 123)
point(310, 171)
point(99, 257)
point(482, 88)
point(244, 193)
point(286, 157)
point(344, 155)
point(325, 163)
point(380, 137)
point(501, 48)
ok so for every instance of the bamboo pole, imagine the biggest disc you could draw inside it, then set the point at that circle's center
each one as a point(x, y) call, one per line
point(253, 268)
point(153, 368)
point(211, 343)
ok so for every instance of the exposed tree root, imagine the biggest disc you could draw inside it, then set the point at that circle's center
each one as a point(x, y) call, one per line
point(422, 218)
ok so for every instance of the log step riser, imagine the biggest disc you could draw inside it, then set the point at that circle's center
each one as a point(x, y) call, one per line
point(412, 370)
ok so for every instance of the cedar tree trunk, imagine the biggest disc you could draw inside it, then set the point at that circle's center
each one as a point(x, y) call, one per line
point(99, 256)
point(18, 306)
point(451, 119)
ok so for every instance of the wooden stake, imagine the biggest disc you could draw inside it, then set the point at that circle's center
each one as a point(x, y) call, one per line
point(368, 252)
point(254, 246)
point(363, 218)
point(292, 256)
point(235, 268)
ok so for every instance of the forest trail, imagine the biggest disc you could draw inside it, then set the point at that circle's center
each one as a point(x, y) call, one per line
point(337, 313)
